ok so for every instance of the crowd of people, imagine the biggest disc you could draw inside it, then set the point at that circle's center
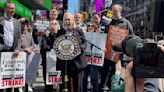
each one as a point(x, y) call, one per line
point(19, 36)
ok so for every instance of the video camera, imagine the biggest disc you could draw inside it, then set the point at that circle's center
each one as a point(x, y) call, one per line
point(148, 58)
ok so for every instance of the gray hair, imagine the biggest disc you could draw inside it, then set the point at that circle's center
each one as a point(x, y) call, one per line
point(120, 7)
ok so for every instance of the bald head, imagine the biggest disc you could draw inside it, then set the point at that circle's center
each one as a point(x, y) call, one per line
point(117, 9)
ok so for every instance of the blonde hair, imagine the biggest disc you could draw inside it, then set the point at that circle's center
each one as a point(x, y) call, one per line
point(52, 22)
point(72, 19)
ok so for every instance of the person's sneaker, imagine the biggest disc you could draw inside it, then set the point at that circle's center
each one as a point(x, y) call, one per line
point(30, 88)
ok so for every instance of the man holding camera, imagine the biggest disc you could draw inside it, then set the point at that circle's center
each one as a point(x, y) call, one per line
point(147, 55)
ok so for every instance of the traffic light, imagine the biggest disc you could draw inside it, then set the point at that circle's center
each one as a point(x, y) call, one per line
point(65, 4)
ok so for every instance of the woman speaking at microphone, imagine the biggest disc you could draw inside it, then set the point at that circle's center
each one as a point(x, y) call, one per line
point(75, 66)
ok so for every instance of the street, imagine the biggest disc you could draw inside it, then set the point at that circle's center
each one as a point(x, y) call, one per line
point(39, 83)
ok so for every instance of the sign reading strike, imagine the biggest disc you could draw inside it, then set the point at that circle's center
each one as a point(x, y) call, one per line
point(115, 36)
point(97, 56)
point(53, 76)
point(12, 72)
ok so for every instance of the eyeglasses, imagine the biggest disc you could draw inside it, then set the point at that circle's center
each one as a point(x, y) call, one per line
point(54, 24)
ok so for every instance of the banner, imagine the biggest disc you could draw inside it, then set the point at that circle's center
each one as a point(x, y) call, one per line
point(12, 72)
point(53, 76)
point(99, 40)
point(115, 36)
point(32, 67)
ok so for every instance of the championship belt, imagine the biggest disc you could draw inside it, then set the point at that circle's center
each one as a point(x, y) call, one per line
point(67, 47)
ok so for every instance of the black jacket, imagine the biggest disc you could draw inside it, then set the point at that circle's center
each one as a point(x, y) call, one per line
point(122, 23)
point(79, 61)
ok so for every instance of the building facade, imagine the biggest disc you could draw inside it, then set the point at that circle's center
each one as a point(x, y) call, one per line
point(85, 6)
point(136, 12)
point(138, 16)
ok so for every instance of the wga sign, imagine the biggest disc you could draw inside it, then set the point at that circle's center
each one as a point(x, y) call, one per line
point(67, 47)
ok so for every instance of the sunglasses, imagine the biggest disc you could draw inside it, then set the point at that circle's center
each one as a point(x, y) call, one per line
point(89, 25)
point(54, 24)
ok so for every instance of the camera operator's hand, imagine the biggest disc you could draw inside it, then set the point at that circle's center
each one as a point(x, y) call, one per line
point(162, 48)
point(129, 85)
point(118, 68)
point(129, 80)
point(161, 44)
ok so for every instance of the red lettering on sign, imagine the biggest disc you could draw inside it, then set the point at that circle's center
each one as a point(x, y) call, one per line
point(54, 79)
point(94, 60)
point(13, 82)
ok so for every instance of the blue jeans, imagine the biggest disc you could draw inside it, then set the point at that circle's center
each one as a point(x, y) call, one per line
point(94, 77)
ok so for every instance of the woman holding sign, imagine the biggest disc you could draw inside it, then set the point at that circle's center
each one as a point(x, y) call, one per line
point(91, 69)
point(47, 45)
point(27, 43)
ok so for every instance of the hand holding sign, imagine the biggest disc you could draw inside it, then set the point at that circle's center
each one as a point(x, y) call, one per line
point(28, 50)
point(16, 53)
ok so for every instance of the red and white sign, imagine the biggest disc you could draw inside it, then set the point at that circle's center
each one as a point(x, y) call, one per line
point(53, 76)
point(12, 72)
point(96, 56)
point(54, 79)
point(115, 36)
point(12, 82)
point(95, 60)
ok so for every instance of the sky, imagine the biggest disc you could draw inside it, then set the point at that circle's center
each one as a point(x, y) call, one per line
point(72, 6)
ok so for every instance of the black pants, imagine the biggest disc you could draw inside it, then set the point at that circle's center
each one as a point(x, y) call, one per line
point(10, 89)
point(106, 73)
point(49, 88)
point(74, 76)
